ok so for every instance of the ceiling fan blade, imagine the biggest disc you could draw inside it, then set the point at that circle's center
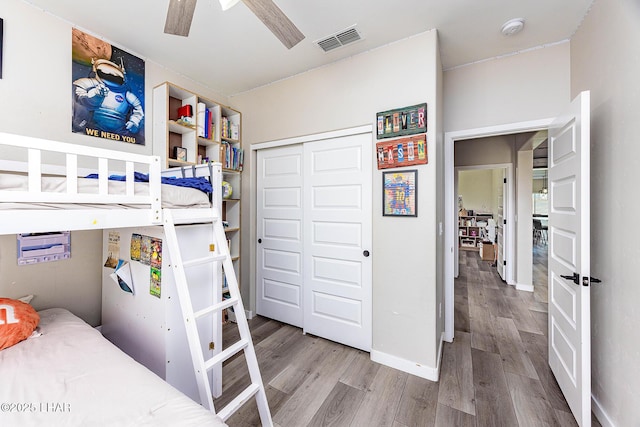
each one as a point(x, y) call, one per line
point(276, 21)
point(179, 16)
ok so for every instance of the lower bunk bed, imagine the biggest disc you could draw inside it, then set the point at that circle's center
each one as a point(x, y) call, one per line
point(70, 375)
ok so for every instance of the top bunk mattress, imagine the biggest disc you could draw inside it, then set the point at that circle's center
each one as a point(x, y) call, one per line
point(72, 376)
point(173, 197)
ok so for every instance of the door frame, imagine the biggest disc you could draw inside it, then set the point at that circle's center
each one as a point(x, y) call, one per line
point(451, 211)
point(509, 212)
point(253, 218)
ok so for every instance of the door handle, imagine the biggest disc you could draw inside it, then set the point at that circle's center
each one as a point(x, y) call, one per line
point(575, 277)
point(586, 281)
point(259, 240)
point(365, 253)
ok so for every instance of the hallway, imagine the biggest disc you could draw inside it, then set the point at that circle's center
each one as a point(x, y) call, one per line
point(496, 371)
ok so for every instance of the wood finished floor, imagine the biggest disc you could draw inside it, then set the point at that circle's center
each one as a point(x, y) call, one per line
point(495, 373)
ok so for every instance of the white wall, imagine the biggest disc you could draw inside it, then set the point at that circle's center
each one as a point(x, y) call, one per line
point(35, 90)
point(476, 189)
point(527, 86)
point(347, 94)
point(604, 59)
point(524, 223)
point(485, 151)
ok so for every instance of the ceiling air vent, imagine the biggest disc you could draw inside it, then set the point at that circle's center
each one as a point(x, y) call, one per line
point(339, 39)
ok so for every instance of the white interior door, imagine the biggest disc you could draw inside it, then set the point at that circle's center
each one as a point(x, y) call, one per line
point(501, 227)
point(337, 230)
point(569, 257)
point(279, 232)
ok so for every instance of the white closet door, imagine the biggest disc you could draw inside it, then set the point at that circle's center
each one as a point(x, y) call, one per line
point(337, 239)
point(279, 232)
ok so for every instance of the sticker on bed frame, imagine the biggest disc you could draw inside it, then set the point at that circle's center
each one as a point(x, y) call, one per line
point(155, 258)
point(145, 250)
point(156, 282)
point(113, 250)
point(155, 261)
point(134, 250)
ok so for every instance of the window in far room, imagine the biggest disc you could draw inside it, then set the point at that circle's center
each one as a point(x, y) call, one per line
point(540, 193)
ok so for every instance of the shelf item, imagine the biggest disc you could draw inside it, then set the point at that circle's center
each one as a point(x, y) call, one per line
point(472, 230)
point(206, 129)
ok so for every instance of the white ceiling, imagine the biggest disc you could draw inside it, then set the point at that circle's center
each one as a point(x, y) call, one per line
point(233, 51)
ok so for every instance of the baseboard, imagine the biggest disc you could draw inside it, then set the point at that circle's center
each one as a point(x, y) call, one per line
point(426, 372)
point(250, 314)
point(521, 287)
point(440, 350)
point(600, 414)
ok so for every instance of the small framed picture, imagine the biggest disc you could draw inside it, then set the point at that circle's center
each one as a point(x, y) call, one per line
point(180, 153)
point(400, 193)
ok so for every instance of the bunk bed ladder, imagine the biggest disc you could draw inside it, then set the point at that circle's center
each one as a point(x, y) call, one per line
point(245, 343)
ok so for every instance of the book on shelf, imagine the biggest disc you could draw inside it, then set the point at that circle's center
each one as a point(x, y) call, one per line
point(231, 157)
point(200, 120)
point(229, 129)
point(207, 123)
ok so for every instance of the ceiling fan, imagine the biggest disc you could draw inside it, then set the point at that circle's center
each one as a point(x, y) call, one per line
point(180, 14)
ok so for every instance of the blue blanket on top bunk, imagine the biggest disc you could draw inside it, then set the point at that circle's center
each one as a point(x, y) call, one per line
point(201, 183)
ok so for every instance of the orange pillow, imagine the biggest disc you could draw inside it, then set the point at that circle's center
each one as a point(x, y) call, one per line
point(18, 320)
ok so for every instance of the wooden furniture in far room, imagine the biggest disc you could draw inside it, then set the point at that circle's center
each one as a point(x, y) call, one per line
point(472, 230)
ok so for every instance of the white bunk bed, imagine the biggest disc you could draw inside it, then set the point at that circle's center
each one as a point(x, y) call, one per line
point(32, 200)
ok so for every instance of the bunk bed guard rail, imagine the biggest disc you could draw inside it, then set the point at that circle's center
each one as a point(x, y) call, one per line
point(75, 154)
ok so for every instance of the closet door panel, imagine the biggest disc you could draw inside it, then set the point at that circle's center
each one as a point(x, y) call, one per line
point(337, 230)
point(279, 231)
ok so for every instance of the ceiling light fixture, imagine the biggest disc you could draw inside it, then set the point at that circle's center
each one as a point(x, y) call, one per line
point(228, 4)
point(544, 191)
point(511, 27)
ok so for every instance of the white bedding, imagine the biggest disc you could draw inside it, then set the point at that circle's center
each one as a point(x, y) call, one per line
point(72, 376)
point(172, 196)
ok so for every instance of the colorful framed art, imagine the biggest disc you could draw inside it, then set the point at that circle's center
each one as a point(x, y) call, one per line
point(402, 121)
point(400, 193)
point(401, 152)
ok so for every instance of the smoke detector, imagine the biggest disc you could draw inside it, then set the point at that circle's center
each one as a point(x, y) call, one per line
point(513, 26)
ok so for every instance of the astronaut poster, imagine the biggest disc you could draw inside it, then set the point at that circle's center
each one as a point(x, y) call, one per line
point(108, 90)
